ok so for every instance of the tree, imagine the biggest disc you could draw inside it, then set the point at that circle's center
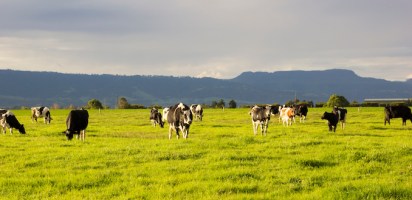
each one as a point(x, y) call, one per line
point(122, 103)
point(94, 104)
point(232, 104)
point(221, 103)
point(336, 100)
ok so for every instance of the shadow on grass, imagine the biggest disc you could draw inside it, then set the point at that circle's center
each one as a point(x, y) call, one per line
point(312, 164)
point(362, 134)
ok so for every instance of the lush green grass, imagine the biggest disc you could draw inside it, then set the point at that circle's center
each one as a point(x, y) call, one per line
point(124, 157)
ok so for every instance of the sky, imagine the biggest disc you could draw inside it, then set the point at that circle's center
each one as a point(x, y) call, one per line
point(207, 38)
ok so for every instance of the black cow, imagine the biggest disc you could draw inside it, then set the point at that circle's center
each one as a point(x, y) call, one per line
point(9, 120)
point(403, 112)
point(332, 118)
point(261, 115)
point(156, 117)
point(179, 117)
point(302, 112)
point(342, 113)
point(76, 123)
point(37, 112)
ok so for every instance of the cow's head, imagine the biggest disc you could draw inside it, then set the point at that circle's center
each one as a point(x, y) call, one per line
point(186, 116)
point(22, 130)
point(324, 115)
point(69, 135)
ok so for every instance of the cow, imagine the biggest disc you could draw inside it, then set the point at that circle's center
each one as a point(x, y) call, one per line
point(165, 111)
point(179, 117)
point(342, 113)
point(37, 112)
point(403, 112)
point(9, 120)
point(302, 112)
point(260, 115)
point(156, 117)
point(197, 111)
point(76, 123)
point(287, 115)
point(333, 119)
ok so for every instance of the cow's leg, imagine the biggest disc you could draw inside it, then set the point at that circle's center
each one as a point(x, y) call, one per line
point(83, 135)
point(11, 131)
point(170, 132)
point(254, 127)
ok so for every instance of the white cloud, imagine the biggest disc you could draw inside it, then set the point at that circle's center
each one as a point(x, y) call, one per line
point(220, 39)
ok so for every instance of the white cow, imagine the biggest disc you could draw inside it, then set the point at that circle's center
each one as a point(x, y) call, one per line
point(37, 112)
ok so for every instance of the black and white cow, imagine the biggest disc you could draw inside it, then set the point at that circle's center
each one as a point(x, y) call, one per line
point(197, 111)
point(403, 112)
point(179, 117)
point(9, 120)
point(76, 123)
point(333, 120)
point(302, 112)
point(37, 112)
point(156, 117)
point(260, 115)
point(342, 113)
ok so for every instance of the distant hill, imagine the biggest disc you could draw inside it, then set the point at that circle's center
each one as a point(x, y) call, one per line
point(24, 88)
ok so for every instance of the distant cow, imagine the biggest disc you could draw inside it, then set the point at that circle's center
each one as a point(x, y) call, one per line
point(260, 115)
point(302, 112)
point(333, 120)
point(76, 123)
point(197, 111)
point(156, 117)
point(37, 112)
point(403, 112)
point(180, 118)
point(9, 120)
point(287, 115)
point(342, 113)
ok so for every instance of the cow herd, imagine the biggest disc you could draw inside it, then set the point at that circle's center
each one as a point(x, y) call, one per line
point(180, 117)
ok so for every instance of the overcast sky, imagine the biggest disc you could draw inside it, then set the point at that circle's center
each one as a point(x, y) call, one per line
point(215, 38)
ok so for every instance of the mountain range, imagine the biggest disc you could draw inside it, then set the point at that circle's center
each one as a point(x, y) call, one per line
point(26, 88)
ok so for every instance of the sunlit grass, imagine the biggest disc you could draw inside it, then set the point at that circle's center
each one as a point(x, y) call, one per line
point(125, 157)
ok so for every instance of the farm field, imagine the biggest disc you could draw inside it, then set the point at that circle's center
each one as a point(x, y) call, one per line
point(124, 157)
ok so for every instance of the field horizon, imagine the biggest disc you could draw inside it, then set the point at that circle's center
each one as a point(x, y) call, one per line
point(124, 157)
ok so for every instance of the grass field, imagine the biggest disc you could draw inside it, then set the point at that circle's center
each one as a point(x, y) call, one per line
point(124, 157)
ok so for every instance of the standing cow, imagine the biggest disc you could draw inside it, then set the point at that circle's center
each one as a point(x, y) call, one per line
point(342, 113)
point(76, 123)
point(9, 120)
point(333, 120)
point(403, 112)
point(197, 111)
point(179, 117)
point(287, 115)
point(302, 112)
point(37, 112)
point(260, 115)
point(156, 117)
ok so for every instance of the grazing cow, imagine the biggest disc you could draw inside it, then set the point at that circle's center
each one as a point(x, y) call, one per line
point(197, 111)
point(333, 120)
point(180, 118)
point(8, 120)
point(37, 112)
point(260, 115)
point(342, 113)
point(302, 112)
point(76, 123)
point(156, 117)
point(287, 115)
point(403, 112)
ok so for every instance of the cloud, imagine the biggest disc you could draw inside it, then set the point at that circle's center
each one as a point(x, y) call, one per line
point(206, 38)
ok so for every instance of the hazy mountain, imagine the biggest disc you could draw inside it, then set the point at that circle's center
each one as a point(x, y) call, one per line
point(23, 88)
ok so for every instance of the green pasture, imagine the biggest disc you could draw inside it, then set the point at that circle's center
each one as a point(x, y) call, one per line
point(124, 157)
